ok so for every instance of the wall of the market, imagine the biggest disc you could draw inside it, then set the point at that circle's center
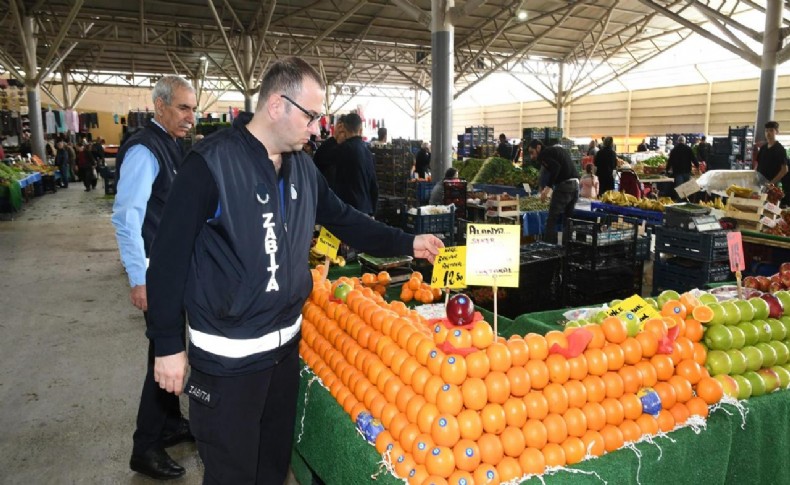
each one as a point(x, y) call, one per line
point(631, 116)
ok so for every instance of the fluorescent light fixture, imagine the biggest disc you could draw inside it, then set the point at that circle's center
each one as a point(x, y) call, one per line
point(521, 15)
point(203, 58)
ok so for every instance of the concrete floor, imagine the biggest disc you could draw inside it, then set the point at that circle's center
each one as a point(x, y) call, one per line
point(72, 348)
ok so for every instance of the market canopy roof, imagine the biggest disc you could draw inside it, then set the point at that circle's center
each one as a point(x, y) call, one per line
point(359, 44)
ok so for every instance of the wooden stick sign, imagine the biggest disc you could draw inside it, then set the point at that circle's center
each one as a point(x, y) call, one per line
point(328, 245)
point(737, 261)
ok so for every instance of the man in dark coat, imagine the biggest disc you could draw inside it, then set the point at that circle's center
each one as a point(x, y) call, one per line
point(356, 171)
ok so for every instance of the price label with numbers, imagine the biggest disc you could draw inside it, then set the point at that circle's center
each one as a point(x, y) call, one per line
point(735, 247)
point(449, 269)
point(327, 244)
point(492, 254)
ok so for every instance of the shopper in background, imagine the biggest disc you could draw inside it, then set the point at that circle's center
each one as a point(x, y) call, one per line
point(590, 184)
point(642, 147)
point(680, 160)
point(146, 167)
point(562, 184)
point(437, 193)
point(592, 148)
point(381, 139)
point(772, 157)
point(504, 149)
point(62, 162)
point(224, 251)
point(325, 157)
point(25, 146)
point(72, 161)
point(97, 149)
point(356, 171)
point(605, 164)
point(86, 164)
point(422, 164)
point(703, 150)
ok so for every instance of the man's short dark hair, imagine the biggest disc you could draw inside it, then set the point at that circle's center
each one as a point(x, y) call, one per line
point(703, 138)
point(502, 136)
point(286, 76)
point(352, 122)
point(535, 144)
point(382, 133)
point(450, 173)
point(772, 124)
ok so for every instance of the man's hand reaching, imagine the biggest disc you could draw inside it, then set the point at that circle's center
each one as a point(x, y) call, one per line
point(427, 246)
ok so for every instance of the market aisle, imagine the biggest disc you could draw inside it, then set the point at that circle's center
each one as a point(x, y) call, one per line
point(72, 346)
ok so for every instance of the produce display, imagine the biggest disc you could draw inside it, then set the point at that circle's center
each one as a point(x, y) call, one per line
point(447, 400)
point(529, 204)
point(628, 200)
point(774, 283)
point(467, 169)
point(501, 171)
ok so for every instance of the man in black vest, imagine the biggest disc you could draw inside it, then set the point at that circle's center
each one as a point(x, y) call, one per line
point(356, 171)
point(562, 184)
point(145, 168)
point(231, 249)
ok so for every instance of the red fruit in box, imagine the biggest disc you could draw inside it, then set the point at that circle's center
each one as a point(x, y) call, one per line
point(763, 282)
point(786, 279)
point(775, 307)
point(751, 282)
point(774, 287)
point(460, 309)
point(776, 278)
point(784, 267)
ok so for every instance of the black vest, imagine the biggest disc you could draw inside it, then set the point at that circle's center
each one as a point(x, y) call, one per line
point(168, 153)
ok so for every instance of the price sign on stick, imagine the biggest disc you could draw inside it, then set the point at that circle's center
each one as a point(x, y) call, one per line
point(737, 263)
point(492, 257)
point(636, 305)
point(449, 270)
point(327, 244)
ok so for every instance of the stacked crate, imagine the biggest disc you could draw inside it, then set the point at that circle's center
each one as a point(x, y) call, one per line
point(741, 147)
point(685, 260)
point(393, 166)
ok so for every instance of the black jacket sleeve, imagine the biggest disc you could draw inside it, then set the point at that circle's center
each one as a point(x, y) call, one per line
point(192, 201)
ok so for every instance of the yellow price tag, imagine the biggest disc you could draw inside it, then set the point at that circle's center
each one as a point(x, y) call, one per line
point(493, 255)
point(449, 269)
point(327, 244)
point(634, 304)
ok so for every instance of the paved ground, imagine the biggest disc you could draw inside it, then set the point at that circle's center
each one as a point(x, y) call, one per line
point(72, 348)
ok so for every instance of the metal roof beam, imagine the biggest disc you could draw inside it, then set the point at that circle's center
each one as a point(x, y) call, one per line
point(53, 49)
point(337, 23)
point(229, 48)
point(460, 72)
point(726, 20)
point(421, 16)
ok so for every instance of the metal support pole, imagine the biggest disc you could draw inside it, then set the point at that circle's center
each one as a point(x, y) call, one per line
point(766, 98)
point(33, 99)
point(416, 111)
point(442, 33)
point(248, 82)
point(64, 78)
point(561, 97)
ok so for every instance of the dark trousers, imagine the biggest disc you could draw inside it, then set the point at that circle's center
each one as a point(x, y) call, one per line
point(159, 410)
point(64, 174)
point(245, 435)
point(563, 200)
point(86, 176)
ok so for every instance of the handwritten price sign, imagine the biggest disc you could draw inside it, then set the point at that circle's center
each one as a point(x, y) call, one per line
point(735, 247)
point(327, 244)
point(492, 255)
point(449, 270)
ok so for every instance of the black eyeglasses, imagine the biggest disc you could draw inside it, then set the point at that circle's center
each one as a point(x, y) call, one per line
point(310, 114)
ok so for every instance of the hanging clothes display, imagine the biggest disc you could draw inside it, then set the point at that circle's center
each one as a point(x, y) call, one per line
point(49, 118)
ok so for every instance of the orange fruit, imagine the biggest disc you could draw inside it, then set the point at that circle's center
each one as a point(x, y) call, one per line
point(674, 308)
point(397, 424)
point(384, 442)
point(657, 326)
point(697, 406)
point(475, 393)
point(435, 359)
point(432, 387)
point(595, 415)
point(615, 356)
point(664, 366)
point(649, 377)
point(648, 342)
point(614, 384)
point(423, 351)
point(554, 455)
point(467, 455)
point(449, 399)
point(702, 314)
point(574, 450)
point(426, 417)
point(499, 357)
point(694, 330)
point(648, 424)
point(419, 379)
point(577, 393)
point(407, 370)
point(486, 474)
point(680, 412)
point(556, 337)
point(537, 405)
point(700, 353)
point(599, 338)
point(578, 367)
point(513, 442)
point(557, 397)
point(440, 462)
point(632, 406)
point(418, 475)
point(576, 422)
point(407, 436)
point(508, 469)
point(686, 348)
point(596, 388)
point(556, 428)
point(631, 431)
point(491, 450)
point(559, 369)
point(538, 348)
point(667, 394)
point(614, 330)
point(413, 407)
point(445, 430)
point(710, 390)
point(498, 386)
point(515, 412)
point(459, 338)
point(482, 335)
point(612, 437)
point(493, 418)
point(632, 379)
point(532, 462)
point(470, 424)
point(519, 352)
point(593, 441)
point(597, 364)
point(666, 422)
point(683, 390)
point(632, 350)
point(519, 381)
point(477, 364)
point(535, 434)
point(453, 369)
point(614, 411)
point(538, 373)
point(689, 370)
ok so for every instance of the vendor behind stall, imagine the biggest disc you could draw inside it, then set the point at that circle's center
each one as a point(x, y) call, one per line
point(563, 177)
point(680, 160)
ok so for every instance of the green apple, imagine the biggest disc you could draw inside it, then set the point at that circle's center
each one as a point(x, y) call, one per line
point(760, 306)
point(599, 317)
point(730, 385)
point(652, 302)
point(754, 358)
point(573, 324)
point(782, 352)
point(769, 354)
point(719, 315)
point(757, 382)
point(718, 337)
point(744, 387)
point(786, 322)
point(732, 315)
point(770, 379)
point(784, 297)
point(738, 361)
point(718, 362)
point(614, 303)
point(632, 323)
point(738, 337)
point(763, 330)
point(778, 330)
point(342, 290)
point(707, 299)
point(784, 376)
point(750, 331)
point(746, 309)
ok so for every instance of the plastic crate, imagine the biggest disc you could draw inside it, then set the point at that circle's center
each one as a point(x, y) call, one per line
point(651, 217)
point(700, 246)
point(420, 223)
point(108, 180)
point(419, 193)
point(642, 248)
point(679, 215)
point(697, 271)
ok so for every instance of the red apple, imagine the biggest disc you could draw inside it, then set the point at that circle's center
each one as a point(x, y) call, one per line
point(764, 282)
point(784, 267)
point(775, 307)
point(774, 287)
point(461, 310)
point(751, 282)
point(777, 278)
point(786, 279)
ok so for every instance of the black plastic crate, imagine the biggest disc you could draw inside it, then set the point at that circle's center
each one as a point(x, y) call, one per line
point(703, 272)
point(642, 247)
point(594, 233)
point(418, 193)
point(700, 246)
point(420, 223)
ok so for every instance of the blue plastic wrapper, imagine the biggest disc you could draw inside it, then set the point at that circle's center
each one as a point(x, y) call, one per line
point(651, 402)
point(372, 430)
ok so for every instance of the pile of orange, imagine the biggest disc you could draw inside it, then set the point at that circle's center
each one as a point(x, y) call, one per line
point(417, 289)
point(508, 409)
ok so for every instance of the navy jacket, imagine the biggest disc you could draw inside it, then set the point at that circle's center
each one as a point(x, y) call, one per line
point(356, 175)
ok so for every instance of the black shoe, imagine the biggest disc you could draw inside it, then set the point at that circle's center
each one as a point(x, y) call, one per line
point(157, 464)
point(87, 190)
point(180, 434)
